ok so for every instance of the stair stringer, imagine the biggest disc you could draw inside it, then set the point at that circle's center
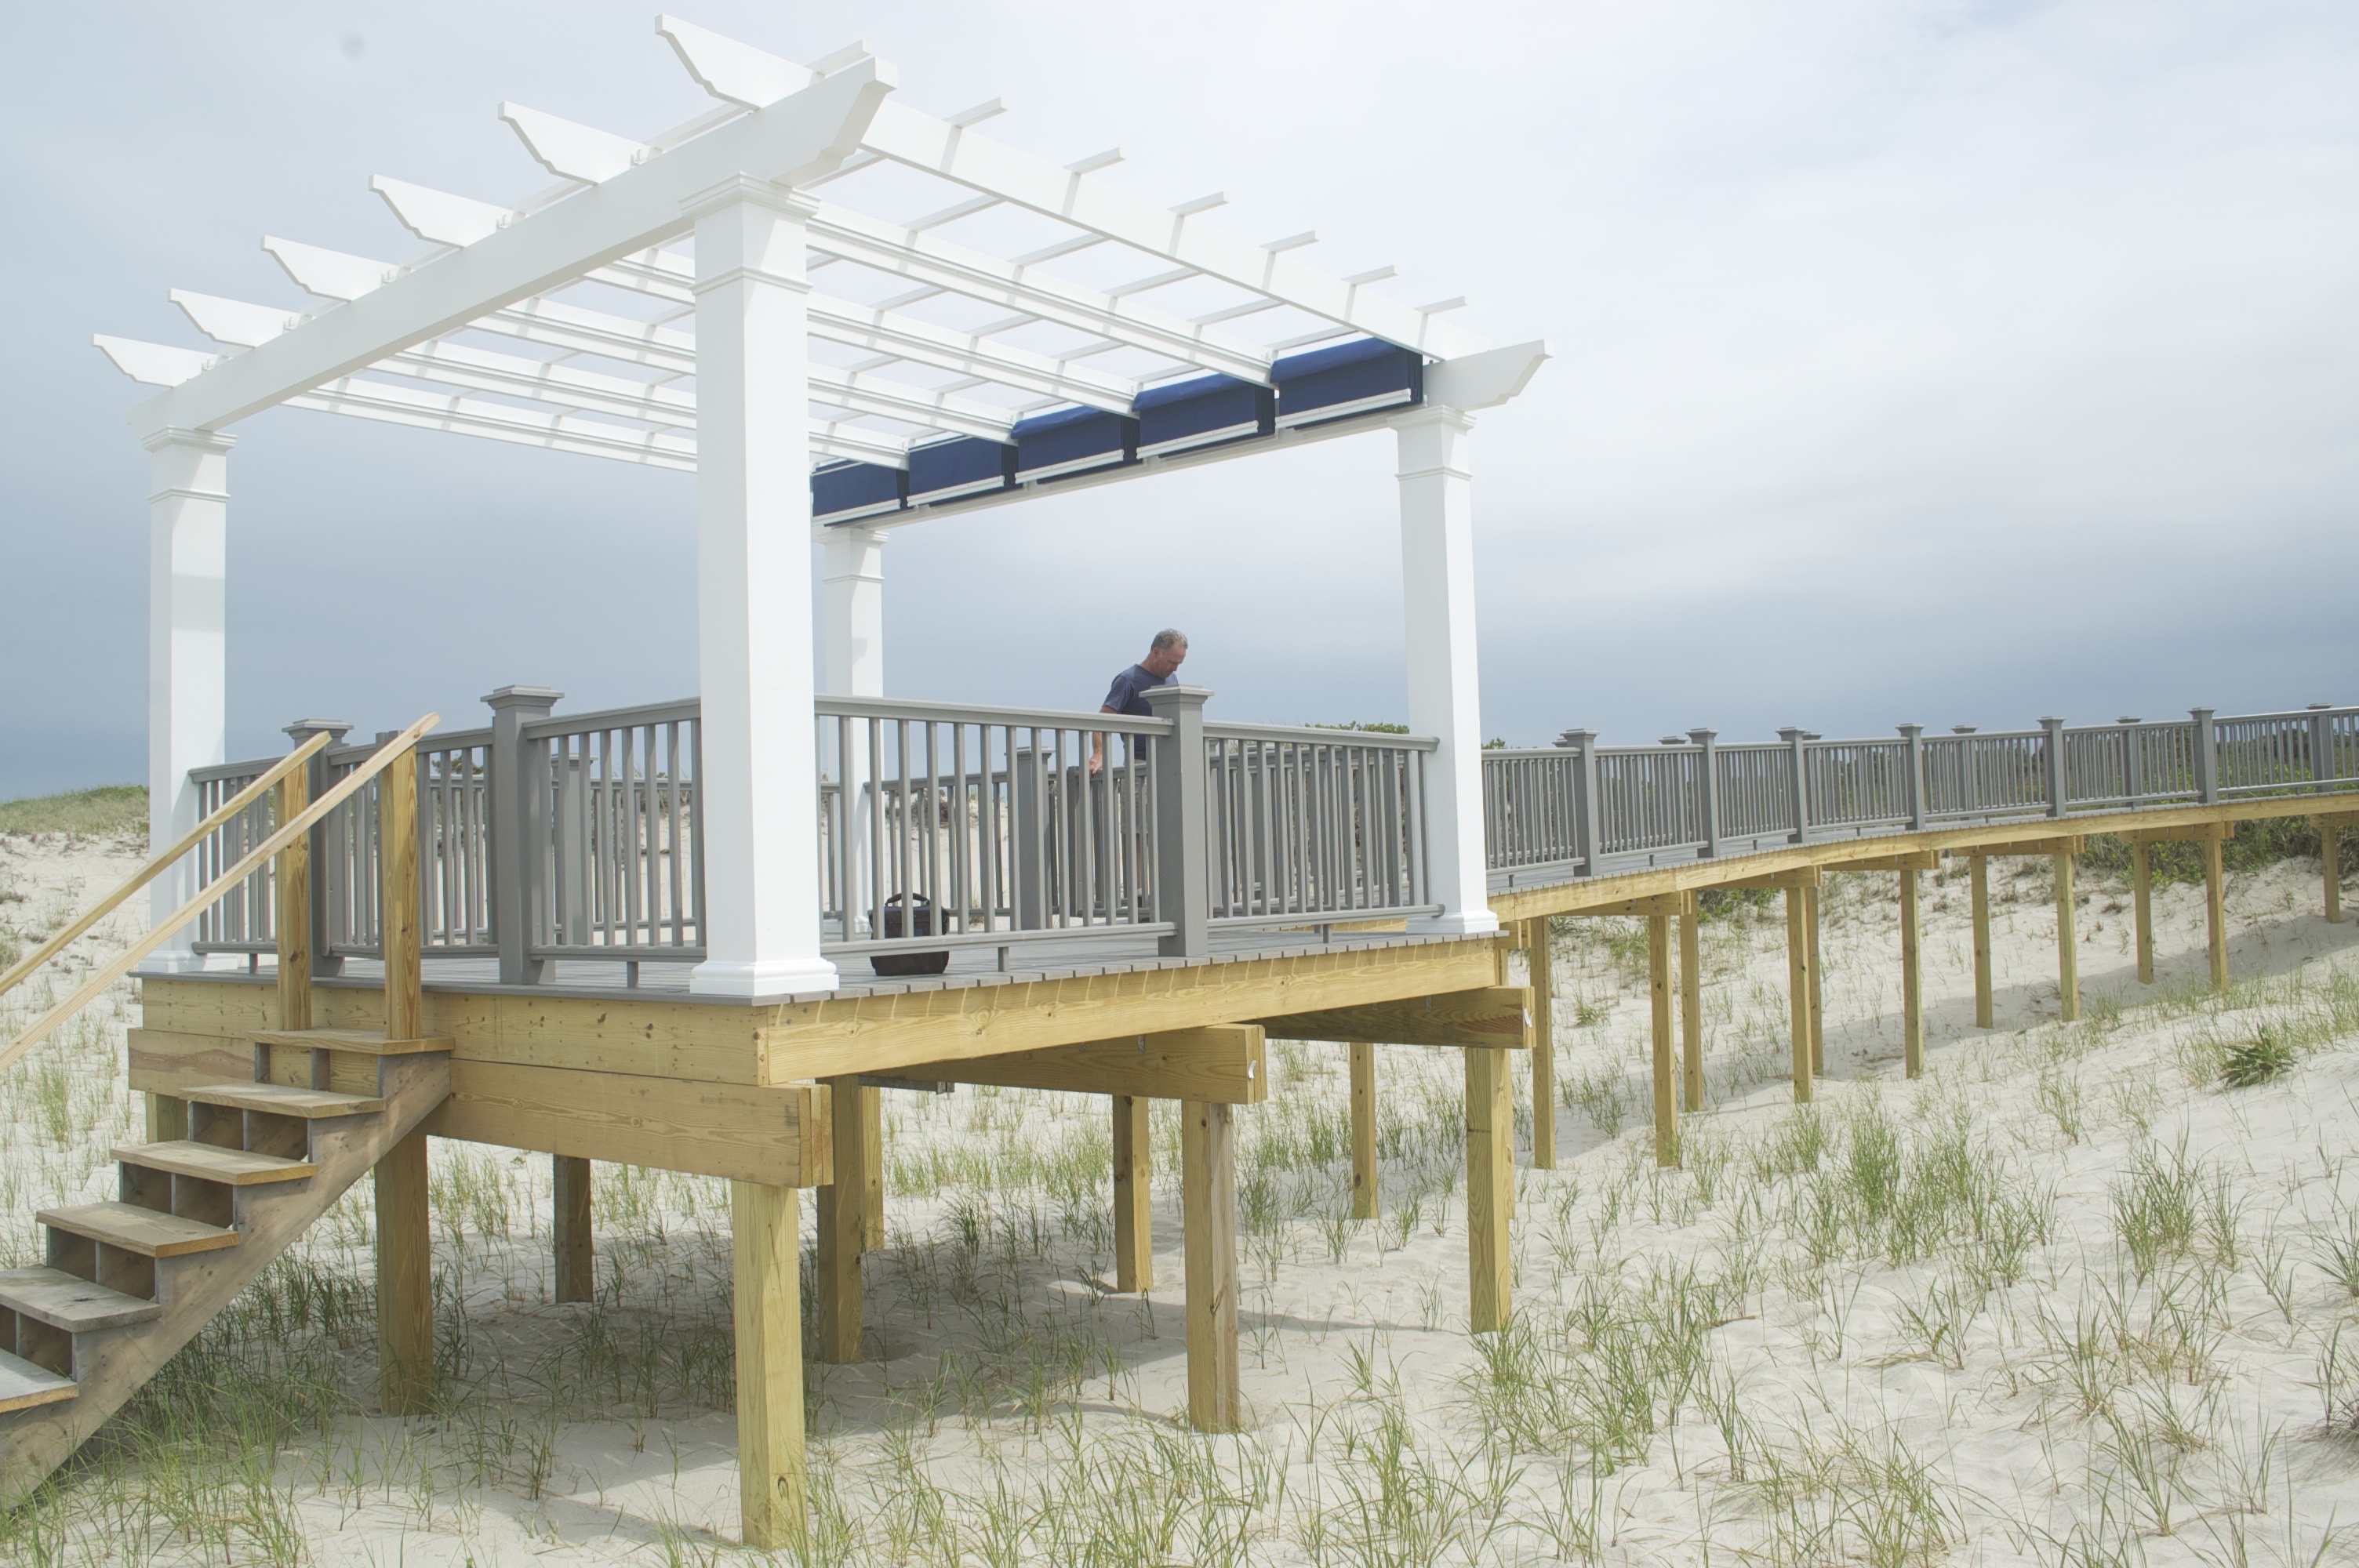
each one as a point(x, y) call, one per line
point(111, 1364)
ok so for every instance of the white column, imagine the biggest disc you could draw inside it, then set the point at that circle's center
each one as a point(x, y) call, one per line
point(753, 595)
point(855, 611)
point(188, 678)
point(1444, 696)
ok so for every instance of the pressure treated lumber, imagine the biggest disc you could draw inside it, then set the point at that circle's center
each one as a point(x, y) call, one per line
point(1914, 861)
point(1489, 1188)
point(1364, 1129)
point(766, 1261)
point(2330, 854)
point(872, 1147)
point(1658, 996)
point(1648, 907)
point(2068, 945)
point(1691, 1009)
point(1133, 1214)
point(2215, 912)
point(1222, 1062)
point(1797, 991)
point(1485, 1015)
point(2033, 848)
point(575, 1261)
point(1539, 958)
point(1984, 1008)
point(1812, 922)
point(405, 1279)
point(1912, 980)
point(2187, 832)
point(1208, 1207)
point(291, 913)
point(2142, 901)
point(842, 1230)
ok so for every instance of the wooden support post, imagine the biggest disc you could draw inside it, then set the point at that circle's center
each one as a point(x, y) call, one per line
point(1539, 958)
point(291, 916)
point(167, 1119)
point(1797, 990)
point(1133, 1228)
point(1984, 1011)
point(1912, 982)
point(577, 1270)
point(1691, 1007)
point(1659, 989)
point(2215, 911)
point(872, 1138)
point(404, 1239)
point(2068, 949)
point(1208, 1205)
point(766, 1256)
point(842, 1226)
point(2330, 854)
point(1818, 989)
point(2142, 899)
point(1489, 1188)
point(1364, 1130)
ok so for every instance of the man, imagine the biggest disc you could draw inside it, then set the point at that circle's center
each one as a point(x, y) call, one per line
point(1164, 657)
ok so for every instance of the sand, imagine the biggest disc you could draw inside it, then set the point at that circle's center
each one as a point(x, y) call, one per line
point(1797, 1349)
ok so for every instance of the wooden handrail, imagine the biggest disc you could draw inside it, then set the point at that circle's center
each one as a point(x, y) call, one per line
point(399, 746)
point(155, 867)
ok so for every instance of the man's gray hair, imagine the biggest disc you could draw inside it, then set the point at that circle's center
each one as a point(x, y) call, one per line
point(1166, 639)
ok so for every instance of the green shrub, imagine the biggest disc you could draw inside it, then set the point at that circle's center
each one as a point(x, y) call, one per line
point(2255, 1061)
point(114, 809)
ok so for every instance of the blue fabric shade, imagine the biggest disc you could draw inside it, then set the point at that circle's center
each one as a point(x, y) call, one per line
point(1203, 412)
point(967, 466)
point(1073, 440)
point(843, 491)
point(1347, 379)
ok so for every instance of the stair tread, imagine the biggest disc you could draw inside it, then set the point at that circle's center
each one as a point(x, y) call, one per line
point(280, 1101)
point(137, 1230)
point(231, 1167)
point(23, 1385)
point(371, 1041)
point(63, 1301)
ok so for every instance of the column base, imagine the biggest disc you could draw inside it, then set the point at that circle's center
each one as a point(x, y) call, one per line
point(181, 961)
point(775, 976)
point(1456, 923)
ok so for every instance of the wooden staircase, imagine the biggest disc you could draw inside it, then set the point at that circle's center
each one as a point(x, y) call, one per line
point(129, 1282)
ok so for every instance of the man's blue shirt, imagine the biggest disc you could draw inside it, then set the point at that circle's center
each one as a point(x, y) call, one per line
point(1127, 694)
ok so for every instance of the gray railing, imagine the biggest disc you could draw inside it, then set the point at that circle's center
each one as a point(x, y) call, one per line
point(1305, 823)
point(1580, 809)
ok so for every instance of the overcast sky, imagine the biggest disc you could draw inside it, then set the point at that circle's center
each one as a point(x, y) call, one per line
point(1936, 362)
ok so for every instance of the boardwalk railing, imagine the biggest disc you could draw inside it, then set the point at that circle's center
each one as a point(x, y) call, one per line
point(1580, 809)
point(940, 826)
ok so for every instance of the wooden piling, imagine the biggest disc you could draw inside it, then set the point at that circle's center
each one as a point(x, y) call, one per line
point(2330, 855)
point(1797, 990)
point(1133, 1228)
point(2142, 900)
point(842, 1212)
point(1818, 986)
point(2215, 909)
point(1489, 1188)
point(872, 1139)
point(1364, 1130)
point(1691, 1007)
point(1912, 984)
point(1658, 989)
point(2068, 948)
point(1984, 1010)
point(576, 1266)
point(1540, 962)
point(405, 1241)
point(766, 1277)
point(1208, 1199)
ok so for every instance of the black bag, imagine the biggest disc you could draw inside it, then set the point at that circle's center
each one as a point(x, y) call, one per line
point(918, 911)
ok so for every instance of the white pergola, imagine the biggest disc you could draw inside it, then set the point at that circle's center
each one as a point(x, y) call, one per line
point(691, 300)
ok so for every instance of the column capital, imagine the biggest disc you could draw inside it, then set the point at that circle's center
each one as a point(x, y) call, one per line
point(745, 189)
point(1160, 698)
point(1429, 414)
point(177, 435)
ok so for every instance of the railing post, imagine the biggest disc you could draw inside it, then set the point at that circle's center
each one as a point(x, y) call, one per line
point(1707, 744)
point(2133, 760)
point(2055, 729)
point(1028, 860)
point(1588, 818)
point(1912, 779)
point(1800, 771)
point(2207, 757)
point(316, 783)
point(1183, 892)
point(519, 828)
point(2321, 744)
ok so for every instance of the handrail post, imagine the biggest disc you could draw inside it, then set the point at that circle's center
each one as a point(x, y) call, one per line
point(1588, 817)
point(316, 780)
point(2055, 759)
point(291, 893)
point(1801, 771)
point(2207, 756)
point(1912, 778)
point(2321, 745)
point(2133, 762)
point(1183, 892)
point(1707, 743)
point(519, 828)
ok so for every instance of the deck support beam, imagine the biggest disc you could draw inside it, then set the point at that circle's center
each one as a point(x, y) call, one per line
point(758, 773)
point(1539, 965)
point(405, 1239)
point(1797, 990)
point(1691, 1007)
point(2215, 911)
point(1912, 980)
point(2330, 856)
point(1133, 1214)
point(766, 1258)
point(577, 1267)
point(1364, 1130)
point(1444, 693)
point(1985, 1004)
point(842, 1227)
point(188, 680)
point(2142, 901)
point(1658, 994)
point(1811, 912)
point(1489, 1188)
point(1208, 1204)
point(2068, 948)
point(1487, 1015)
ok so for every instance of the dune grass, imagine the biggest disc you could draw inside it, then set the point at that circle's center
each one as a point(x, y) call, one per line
point(111, 808)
